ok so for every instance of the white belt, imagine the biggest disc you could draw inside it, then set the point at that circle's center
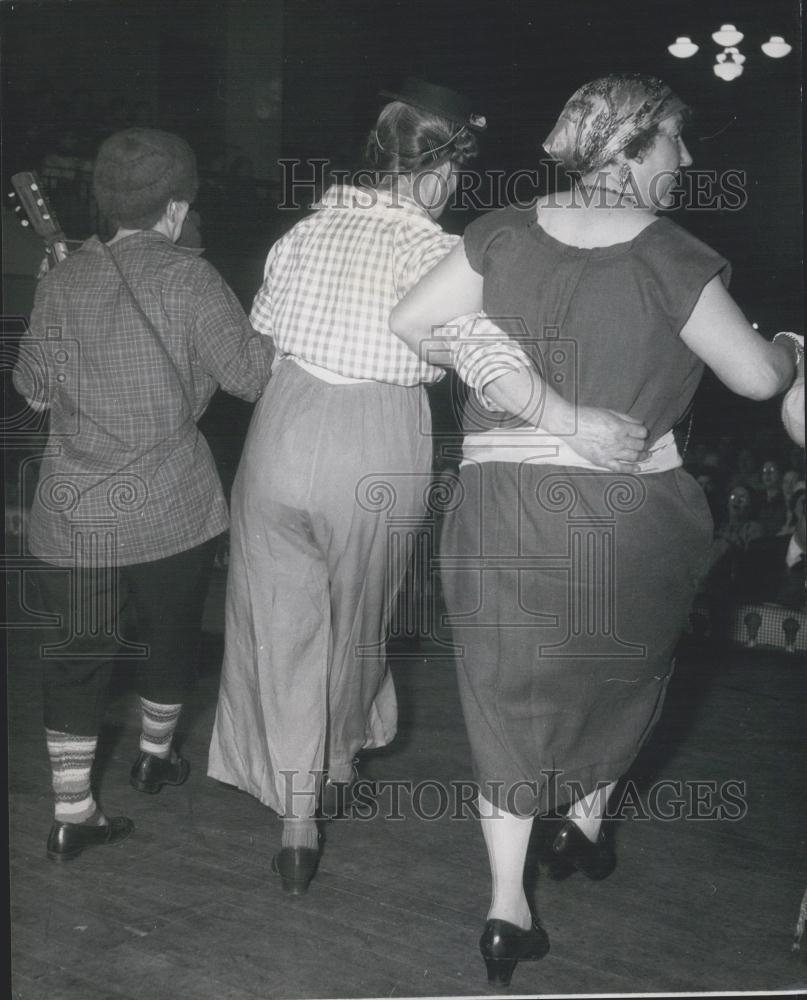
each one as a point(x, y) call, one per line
point(534, 448)
point(325, 374)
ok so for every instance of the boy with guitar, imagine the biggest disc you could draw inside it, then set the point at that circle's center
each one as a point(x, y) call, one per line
point(128, 341)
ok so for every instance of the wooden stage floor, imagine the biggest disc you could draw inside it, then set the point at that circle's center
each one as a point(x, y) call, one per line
point(188, 909)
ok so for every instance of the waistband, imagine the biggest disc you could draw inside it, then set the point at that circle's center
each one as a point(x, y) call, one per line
point(530, 446)
point(325, 374)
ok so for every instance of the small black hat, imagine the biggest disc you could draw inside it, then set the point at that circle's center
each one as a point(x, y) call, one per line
point(437, 100)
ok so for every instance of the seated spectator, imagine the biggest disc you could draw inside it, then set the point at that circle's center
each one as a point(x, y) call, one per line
point(746, 471)
point(771, 508)
point(791, 481)
point(742, 526)
point(731, 542)
point(772, 569)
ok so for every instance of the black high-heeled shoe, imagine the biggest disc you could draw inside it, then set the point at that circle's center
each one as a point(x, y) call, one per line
point(503, 945)
point(572, 851)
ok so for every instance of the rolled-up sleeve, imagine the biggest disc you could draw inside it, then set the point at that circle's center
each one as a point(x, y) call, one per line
point(482, 352)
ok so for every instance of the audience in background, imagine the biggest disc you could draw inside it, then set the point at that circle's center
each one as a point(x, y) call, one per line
point(791, 480)
point(756, 506)
point(772, 569)
point(772, 510)
point(745, 471)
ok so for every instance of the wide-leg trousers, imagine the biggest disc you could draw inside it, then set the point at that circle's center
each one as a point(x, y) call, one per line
point(329, 478)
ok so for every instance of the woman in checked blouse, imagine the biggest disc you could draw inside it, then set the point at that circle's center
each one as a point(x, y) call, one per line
point(304, 683)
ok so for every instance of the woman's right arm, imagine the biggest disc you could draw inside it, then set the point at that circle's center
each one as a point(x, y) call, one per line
point(741, 358)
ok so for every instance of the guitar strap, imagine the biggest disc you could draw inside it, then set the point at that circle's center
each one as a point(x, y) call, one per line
point(188, 416)
point(150, 327)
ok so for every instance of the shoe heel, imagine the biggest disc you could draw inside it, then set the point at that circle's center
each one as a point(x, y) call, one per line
point(500, 970)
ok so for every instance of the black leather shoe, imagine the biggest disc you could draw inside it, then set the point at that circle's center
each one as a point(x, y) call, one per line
point(67, 840)
point(573, 851)
point(150, 773)
point(296, 866)
point(504, 944)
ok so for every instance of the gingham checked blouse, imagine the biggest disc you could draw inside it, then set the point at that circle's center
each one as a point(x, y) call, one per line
point(127, 477)
point(332, 281)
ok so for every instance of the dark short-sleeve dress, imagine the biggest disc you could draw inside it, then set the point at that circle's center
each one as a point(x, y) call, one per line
point(567, 588)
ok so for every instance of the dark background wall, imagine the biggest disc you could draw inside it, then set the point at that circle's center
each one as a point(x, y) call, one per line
point(521, 60)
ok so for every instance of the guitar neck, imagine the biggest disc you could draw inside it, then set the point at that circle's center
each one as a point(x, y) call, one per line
point(37, 213)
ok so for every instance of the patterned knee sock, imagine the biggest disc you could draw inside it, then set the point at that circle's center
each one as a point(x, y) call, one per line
point(71, 759)
point(158, 725)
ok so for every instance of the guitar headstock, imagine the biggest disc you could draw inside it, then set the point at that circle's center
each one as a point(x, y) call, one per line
point(33, 210)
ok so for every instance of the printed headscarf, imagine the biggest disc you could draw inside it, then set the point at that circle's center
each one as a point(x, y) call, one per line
point(603, 116)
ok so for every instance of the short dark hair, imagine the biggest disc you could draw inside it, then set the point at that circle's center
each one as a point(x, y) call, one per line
point(138, 171)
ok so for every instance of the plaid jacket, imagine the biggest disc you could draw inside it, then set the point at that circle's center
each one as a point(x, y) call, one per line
point(127, 477)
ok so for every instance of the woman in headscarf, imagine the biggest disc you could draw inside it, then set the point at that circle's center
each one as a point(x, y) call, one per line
point(568, 584)
point(342, 432)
